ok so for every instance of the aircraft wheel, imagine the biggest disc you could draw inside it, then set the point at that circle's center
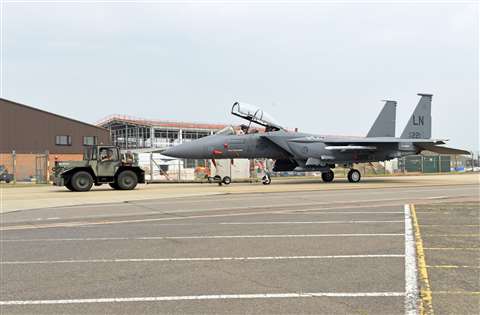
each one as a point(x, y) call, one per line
point(127, 180)
point(327, 177)
point(227, 180)
point(266, 180)
point(354, 176)
point(81, 181)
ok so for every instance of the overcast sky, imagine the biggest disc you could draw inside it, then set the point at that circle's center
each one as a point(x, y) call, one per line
point(323, 68)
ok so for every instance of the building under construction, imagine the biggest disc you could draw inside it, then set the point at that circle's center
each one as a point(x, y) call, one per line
point(132, 133)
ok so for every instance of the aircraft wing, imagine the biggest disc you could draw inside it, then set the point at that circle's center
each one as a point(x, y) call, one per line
point(357, 143)
point(441, 150)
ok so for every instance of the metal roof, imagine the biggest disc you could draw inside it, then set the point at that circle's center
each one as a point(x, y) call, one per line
point(157, 123)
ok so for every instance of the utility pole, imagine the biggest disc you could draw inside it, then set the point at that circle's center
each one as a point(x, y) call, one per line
point(14, 171)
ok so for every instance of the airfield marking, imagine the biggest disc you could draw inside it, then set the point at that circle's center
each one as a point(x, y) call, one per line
point(79, 223)
point(288, 212)
point(411, 289)
point(207, 297)
point(195, 259)
point(197, 237)
point(425, 291)
point(348, 212)
point(310, 222)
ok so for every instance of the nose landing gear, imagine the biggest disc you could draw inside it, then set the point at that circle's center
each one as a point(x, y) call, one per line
point(266, 180)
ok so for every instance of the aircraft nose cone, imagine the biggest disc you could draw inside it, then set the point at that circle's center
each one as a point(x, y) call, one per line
point(173, 152)
point(184, 151)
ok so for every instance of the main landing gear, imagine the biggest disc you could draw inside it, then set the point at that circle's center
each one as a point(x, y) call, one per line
point(328, 176)
point(354, 176)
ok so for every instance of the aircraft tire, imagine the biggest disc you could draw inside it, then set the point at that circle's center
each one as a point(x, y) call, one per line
point(266, 180)
point(226, 180)
point(127, 180)
point(354, 176)
point(81, 181)
point(327, 177)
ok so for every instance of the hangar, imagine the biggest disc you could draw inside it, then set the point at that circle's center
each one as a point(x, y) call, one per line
point(31, 139)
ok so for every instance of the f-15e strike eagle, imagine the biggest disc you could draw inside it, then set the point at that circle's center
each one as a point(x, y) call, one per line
point(303, 152)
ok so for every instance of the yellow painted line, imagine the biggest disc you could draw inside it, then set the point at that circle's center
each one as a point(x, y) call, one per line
point(426, 307)
point(453, 267)
point(453, 248)
point(457, 292)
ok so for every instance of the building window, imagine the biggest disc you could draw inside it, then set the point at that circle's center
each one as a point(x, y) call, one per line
point(63, 140)
point(189, 163)
point(89, 140)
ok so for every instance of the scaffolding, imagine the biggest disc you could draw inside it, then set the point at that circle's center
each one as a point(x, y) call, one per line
point(129, 132)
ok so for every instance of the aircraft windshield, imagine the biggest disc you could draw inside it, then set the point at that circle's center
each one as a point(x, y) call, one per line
point(254, 114)
point(226, 131)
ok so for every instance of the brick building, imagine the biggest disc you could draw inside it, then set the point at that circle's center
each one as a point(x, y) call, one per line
point(31, 139)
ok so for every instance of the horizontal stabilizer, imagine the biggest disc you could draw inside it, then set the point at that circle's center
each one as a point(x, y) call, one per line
point(441, 150)
point(384, 125)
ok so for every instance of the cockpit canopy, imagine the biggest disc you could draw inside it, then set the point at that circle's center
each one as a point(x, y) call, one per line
point(256, 115)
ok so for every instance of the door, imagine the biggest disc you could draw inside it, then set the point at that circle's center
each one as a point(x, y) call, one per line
point(108, 161)
point(41, 169)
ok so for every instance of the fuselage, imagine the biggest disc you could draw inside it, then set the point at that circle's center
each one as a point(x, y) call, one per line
point(285, 145)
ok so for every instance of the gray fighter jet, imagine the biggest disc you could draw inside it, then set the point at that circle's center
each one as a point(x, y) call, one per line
point(302, 152)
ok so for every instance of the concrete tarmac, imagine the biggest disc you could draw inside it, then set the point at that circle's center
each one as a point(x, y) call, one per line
point(13, 198)
point(305, 251)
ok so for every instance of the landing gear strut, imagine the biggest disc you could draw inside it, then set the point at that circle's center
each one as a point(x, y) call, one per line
point(328, 176)
point(354, 176)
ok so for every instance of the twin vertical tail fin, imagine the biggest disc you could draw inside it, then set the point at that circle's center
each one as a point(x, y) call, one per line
point(419, 126)
point(384, 125)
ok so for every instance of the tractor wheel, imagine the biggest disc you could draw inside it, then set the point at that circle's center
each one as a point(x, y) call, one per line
point(127, 180)
point(69, 186)
point(327, 177)
point(81, 181)
point(114, 186)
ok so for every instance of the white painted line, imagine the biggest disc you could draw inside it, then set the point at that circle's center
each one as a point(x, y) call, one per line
point(198, 237)
point(311, 222)
point(206, 297)
point(411, 289)
point(351, 212)
point(187, 259)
